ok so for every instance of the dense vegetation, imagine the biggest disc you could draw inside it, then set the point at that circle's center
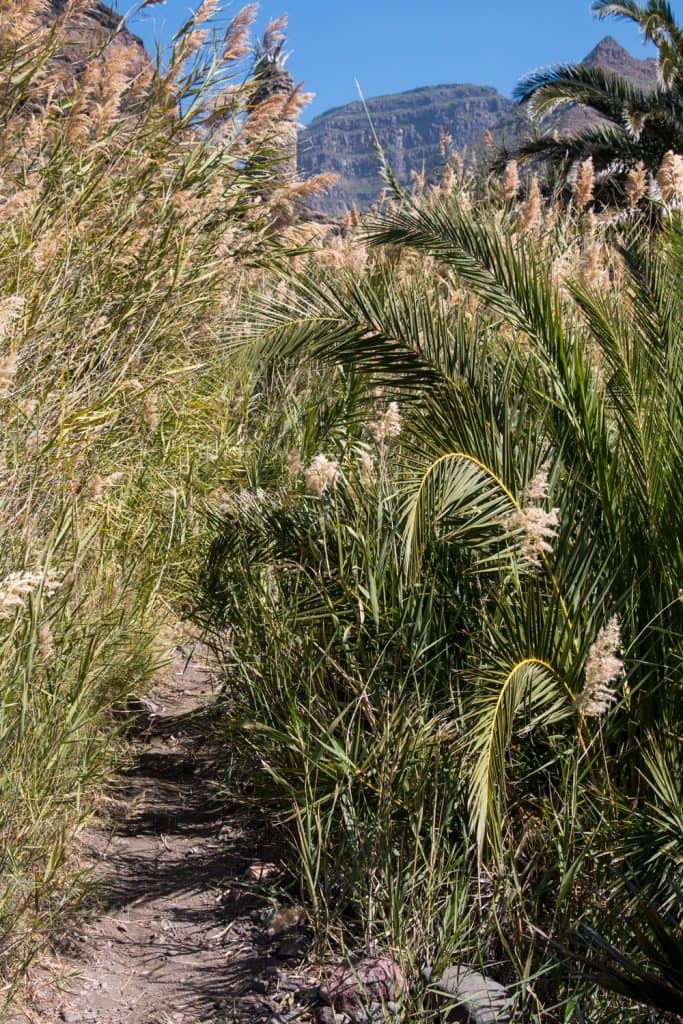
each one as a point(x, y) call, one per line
point(435, 460)
point(126, 209)
point(449, 592)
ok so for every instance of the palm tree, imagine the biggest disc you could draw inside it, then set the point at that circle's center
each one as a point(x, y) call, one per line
point(635, 124)
point(486, 423)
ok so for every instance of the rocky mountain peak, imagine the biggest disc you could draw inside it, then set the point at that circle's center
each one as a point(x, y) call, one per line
point(611, 57)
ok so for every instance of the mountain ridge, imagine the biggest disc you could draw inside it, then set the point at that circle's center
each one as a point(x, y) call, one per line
point(408, 125)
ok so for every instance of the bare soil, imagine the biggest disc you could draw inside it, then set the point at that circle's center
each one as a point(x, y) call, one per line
point(182, 932)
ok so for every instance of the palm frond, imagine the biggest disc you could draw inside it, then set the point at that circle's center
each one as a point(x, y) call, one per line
point(513, 281)
point(530, 688)
point(608, 94)
point(459, 500)
point(372, 325)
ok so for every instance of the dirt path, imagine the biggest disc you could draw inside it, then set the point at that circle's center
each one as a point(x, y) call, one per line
point(181, 934)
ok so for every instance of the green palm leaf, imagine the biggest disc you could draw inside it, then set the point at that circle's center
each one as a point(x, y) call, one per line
point(530, 689)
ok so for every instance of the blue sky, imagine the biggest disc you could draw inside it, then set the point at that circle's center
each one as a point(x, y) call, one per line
point(392, 45)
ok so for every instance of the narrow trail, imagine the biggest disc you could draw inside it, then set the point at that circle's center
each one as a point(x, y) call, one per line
point(180, 934)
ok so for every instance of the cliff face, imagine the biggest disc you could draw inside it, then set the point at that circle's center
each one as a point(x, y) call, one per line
point(95, 27)
point(408, 126)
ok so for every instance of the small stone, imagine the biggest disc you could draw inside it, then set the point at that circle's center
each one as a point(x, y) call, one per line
point(285, 919)
point(362, 988)
point(286, 984)
point(262, 872)
point(480, 999)
point(306, 995)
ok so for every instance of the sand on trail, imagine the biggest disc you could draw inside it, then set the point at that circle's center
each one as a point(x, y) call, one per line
point(180, 932)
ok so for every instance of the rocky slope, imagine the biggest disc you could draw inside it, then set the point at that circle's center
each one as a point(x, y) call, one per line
point(408, 126)
point(89, 31)
point(611, 57)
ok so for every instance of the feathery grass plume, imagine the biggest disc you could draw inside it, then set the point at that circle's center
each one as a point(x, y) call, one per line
point(236, 42)
point(150, 411)
point(530, 215)
point(35, 135)
point(445, 143)
point(294, 465)
point(593, 269)
point(80, 121)
point(635, 186)
point(99, 484)
point(602, 668)
point(488, 138)
point(510, 180)
point(8, 371)
point(194, 40)
point(113, 82)
point(537, 487)
point(537, 524)
point(274, 34)
point(18, 586)
point(562, 268)
point(366, 469)
point(205, 11)
point(20, 204)
point(584, 184)
point(551, 217)
point(352, 218)
point(419, 180)
point(46, 645)
point(28, 407)
point(46, 249)
point(320, 474)
point(670, 177)
point(448, 180)
point(11, 309)
point(23, 21)
point(387, 425)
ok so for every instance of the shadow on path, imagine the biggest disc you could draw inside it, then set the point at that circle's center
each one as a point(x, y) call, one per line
point(178, 937)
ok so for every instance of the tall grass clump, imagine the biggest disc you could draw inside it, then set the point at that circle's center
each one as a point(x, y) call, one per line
point(448, 597)
point(132, 197)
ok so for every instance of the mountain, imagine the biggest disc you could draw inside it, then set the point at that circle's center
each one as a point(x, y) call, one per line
point(609, 56)
point(88, 30)
point(408, 126)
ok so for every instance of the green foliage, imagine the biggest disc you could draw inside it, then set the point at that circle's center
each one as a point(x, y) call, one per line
point(127, 213)
point(435, 657)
